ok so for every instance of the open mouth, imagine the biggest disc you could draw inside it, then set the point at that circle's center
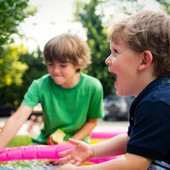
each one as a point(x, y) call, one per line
point(114, 75)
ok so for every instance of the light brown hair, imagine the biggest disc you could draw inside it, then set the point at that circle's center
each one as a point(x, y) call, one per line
point(146, 30)
point(67, 48)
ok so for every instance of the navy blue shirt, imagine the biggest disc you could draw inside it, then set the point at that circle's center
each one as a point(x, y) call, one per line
point(149, 128)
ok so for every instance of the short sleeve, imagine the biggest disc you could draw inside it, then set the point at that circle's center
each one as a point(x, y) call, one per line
point(149, 136)
point(96, 109)
point(31, 98)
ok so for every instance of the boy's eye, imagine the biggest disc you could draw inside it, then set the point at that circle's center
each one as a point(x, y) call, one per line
point(50, 64)
point(63, 65)
point(115, 51)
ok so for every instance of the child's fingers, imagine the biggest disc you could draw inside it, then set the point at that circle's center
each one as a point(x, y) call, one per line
point(62, 153)
point(65, 153)
point(73, 141)
point(64, 160)
point(78, 163)
point(50, 141)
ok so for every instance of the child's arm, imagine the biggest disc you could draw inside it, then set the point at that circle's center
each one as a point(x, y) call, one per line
point(129, 162)
point(80, 135)
point(13, 124)
point(83, 152)
point(85, 130)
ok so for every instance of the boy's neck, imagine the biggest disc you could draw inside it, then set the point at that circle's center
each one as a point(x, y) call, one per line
point(73, 82)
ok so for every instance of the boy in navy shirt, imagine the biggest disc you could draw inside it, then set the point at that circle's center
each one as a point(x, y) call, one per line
point(140, 62)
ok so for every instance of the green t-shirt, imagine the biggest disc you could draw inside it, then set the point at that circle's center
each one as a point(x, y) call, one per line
point(65, 108)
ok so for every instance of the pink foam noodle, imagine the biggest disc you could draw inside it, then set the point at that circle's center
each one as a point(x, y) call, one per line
point(40, 152)
point(100, 160)
point(105, 135)
point(32, 152)
point(50, 152)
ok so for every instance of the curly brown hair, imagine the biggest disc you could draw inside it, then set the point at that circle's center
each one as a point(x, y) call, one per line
point(146, 30)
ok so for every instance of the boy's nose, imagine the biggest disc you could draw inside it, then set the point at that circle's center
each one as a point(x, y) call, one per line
point(56, 69)
point(107, 61)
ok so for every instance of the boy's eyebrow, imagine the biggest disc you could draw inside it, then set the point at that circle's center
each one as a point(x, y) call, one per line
point(48, 61)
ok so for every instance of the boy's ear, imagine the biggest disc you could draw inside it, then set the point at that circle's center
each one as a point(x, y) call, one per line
point(78, 68)
point(146, 60)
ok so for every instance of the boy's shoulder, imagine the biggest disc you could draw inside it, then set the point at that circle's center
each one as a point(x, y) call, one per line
point(89, 81)
point(159, 90)
point(45, 79)
point(90, 78)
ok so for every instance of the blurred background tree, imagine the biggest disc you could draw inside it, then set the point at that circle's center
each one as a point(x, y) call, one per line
point(13, 94)
point(165, 4)
point(12, 13)
point(97, 41)
point(18, 67)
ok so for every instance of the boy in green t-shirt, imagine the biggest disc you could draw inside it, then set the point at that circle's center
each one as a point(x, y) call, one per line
point(72, 101)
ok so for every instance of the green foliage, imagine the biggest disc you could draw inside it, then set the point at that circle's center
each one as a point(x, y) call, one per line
point(96, 40)
point(11, 69)
point(12, 13)
point(13, 94)
point(165, 4)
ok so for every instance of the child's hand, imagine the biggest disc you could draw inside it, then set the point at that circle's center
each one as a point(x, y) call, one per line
point(76, 155)
point(56, 138)
point(65, 143)
point(50, 141)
